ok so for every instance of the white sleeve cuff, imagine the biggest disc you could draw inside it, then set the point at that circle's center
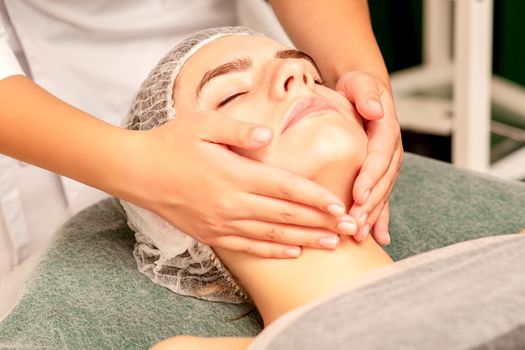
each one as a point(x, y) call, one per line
point(8, 63)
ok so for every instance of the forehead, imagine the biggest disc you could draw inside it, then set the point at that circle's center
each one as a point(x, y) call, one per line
point(224, 50)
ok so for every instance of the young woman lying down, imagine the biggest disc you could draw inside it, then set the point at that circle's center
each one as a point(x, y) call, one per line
point(317, 134)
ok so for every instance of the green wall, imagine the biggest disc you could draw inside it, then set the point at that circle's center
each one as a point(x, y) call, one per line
point(398, 29)
point(509, 40)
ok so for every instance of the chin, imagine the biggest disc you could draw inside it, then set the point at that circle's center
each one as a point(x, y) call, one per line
point(320, 143)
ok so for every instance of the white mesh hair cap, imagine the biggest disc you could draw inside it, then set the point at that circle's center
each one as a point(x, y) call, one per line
point(168, 256)
point(153, 104)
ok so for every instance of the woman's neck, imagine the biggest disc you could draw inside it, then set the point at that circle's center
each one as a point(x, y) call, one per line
point(279, 285)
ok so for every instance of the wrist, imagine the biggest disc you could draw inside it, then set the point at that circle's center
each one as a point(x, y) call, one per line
point(374, 67)
point(360, 52)
point(114, 170)
point(131, 164)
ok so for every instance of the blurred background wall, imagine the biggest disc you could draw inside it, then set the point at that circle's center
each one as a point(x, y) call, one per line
point(398, 26)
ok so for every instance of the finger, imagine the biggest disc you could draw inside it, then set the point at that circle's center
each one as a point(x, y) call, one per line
point(363, 91)
point(372, 171)
point(290, 235)
point(276, 210)
point(380, 228)
point(273, 182)
point(384, 139)
point(381, 152)
point(372, 218)
point(362, 233)
point(218, 128)
point(261, 249)
point(378, 195)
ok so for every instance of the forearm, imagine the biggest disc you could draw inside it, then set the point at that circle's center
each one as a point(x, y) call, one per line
point(211, 343)
point(337, 34)
point(40, 129)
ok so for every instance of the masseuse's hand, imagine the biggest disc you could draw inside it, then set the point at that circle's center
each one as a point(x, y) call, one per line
point(379, 172)
point(184, 172)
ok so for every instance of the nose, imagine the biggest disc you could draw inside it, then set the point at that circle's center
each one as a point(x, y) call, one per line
point(290, 78)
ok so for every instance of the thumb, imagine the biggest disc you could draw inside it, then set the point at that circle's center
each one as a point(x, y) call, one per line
point(228, 131)
point(362, 91)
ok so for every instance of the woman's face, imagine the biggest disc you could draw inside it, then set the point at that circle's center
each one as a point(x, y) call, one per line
point(257, 80)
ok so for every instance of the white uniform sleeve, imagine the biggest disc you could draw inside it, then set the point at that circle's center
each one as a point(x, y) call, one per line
point(8, 63)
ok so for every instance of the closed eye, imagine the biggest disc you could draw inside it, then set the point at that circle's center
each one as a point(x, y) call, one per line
point(230, 99)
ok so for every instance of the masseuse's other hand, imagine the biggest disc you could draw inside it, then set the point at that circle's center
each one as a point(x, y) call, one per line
point(184, 172)
point(379, 172)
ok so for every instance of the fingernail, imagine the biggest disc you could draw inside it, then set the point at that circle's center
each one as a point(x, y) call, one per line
point(335, 209)
point(375, 105)
point(362, 218)
point(329, 242)
point(293, 252)
point(387, 236)
point(365, 196)
point(262, 135)
point(348, 227)
point(365, 230)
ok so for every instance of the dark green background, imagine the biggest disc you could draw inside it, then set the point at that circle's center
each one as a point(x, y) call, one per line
point(398, 28)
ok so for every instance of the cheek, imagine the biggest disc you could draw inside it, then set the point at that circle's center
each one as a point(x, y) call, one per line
point(245, 110)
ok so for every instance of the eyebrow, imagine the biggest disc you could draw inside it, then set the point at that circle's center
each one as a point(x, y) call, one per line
point(245, 63)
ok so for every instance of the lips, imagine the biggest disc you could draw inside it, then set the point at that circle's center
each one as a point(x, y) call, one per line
point(305, 107)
